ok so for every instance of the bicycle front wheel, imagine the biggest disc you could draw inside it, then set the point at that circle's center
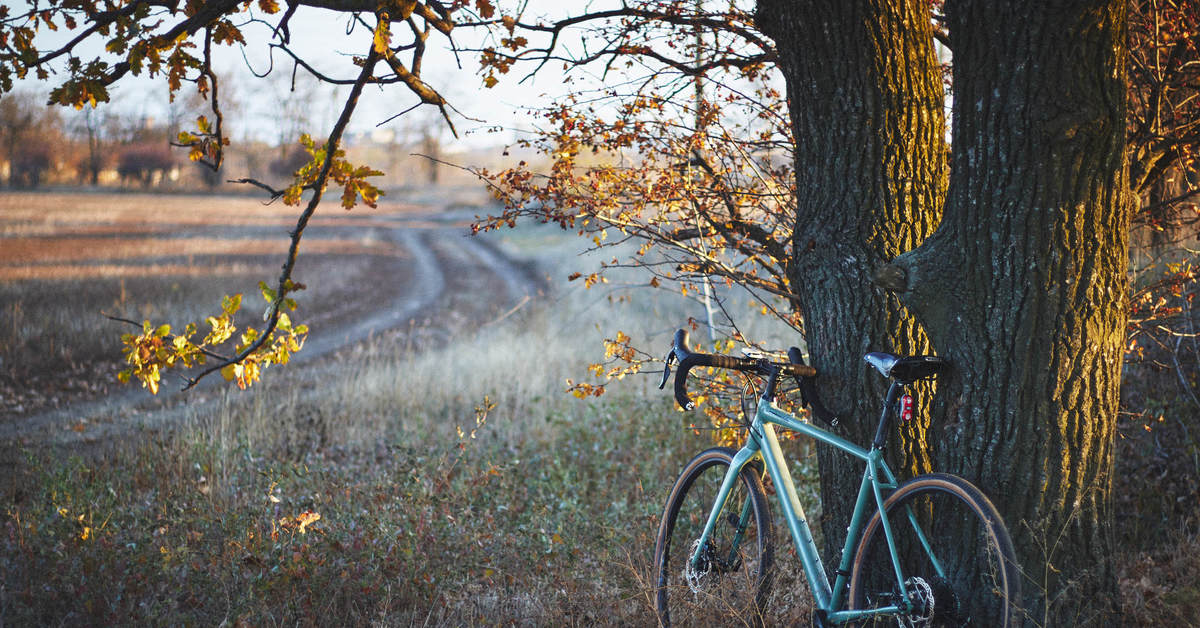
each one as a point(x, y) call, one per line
point(731, 581)
point(955, 554)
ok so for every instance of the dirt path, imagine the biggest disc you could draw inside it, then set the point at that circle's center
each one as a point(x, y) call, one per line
point(435, 275)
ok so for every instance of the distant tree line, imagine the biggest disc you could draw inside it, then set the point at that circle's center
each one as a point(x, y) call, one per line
point(42, 144)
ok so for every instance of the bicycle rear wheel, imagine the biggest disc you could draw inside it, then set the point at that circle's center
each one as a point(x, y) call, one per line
point(733, 579)
point(955, 554)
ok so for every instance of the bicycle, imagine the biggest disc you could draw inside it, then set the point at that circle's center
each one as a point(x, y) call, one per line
point(935, 551)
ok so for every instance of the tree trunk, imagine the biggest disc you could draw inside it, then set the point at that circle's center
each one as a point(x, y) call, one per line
point(1023, 287)
point(865, 94)
point(95, 160)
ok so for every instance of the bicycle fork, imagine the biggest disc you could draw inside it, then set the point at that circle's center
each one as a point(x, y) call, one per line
point(740, 459)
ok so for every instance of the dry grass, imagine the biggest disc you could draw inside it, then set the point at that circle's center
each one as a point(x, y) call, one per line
point(66, 260)
point(541, 512)
point(1162, 587)
point(137, 250)
point(49, 213)
point(544, 512)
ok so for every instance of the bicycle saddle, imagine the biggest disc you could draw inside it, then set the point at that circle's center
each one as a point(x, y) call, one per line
point(908, 369)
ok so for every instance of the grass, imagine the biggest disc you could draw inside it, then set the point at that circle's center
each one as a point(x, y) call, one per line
point(69, 258)
point(542, 511)
point(181, 530)
point(455, 482)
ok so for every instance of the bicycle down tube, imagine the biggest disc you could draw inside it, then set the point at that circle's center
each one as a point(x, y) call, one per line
point(763, 440)
point(895, 559)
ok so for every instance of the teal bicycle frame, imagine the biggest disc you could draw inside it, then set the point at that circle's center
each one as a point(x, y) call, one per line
point(877, 478)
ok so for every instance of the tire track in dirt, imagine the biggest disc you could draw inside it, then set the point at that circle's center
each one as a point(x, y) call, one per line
point(453, 278)
point(422, 292)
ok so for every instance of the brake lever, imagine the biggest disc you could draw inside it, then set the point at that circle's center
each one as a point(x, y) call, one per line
point(667, 361)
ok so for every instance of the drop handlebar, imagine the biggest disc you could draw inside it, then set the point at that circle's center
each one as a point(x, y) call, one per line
point(687, 359)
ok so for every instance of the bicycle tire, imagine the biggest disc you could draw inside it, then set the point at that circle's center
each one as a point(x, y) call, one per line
point(981, 586)
point(731, 587)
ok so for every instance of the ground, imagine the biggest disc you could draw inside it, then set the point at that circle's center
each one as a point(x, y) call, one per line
point(371, 272)
point(426, 422)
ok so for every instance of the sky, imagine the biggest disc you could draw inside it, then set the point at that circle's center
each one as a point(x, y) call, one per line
point(462, 87)
point(320, 37)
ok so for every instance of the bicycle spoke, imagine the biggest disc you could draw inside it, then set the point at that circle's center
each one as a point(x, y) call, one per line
point(957, 563)
point(730, 579)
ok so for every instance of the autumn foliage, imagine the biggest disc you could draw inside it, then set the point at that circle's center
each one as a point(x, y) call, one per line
point(157, 350)
point(684, 152)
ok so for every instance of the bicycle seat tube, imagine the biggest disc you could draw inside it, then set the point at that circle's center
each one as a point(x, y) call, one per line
point(889, 402)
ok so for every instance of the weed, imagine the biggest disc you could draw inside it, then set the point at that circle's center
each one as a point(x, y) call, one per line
point(368, 489)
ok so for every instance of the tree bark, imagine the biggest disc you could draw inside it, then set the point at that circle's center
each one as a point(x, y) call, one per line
point(866, 104)
point(1023, 287)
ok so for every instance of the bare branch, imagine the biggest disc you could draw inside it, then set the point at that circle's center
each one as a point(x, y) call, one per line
point(275, 194)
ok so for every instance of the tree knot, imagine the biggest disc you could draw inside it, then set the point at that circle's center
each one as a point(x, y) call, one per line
point(892, 278)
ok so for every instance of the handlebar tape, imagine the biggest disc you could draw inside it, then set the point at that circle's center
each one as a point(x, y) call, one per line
point(808, 392)
point(688, 359)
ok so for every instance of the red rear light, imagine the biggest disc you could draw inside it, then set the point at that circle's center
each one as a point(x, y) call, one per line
point(906, 408)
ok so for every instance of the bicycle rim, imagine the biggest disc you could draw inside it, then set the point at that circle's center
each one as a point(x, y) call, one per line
point(731, 585)
point(977, 584)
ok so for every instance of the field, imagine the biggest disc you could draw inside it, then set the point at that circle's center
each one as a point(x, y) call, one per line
point(197, 508)
point(431, 471)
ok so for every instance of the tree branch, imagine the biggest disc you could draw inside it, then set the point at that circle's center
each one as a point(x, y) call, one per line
point(284, 282)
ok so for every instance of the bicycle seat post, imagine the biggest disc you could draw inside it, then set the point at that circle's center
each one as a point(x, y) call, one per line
point(893, 394)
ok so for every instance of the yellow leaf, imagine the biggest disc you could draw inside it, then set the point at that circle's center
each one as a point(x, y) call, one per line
point(383, 36)
point(307, 518)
